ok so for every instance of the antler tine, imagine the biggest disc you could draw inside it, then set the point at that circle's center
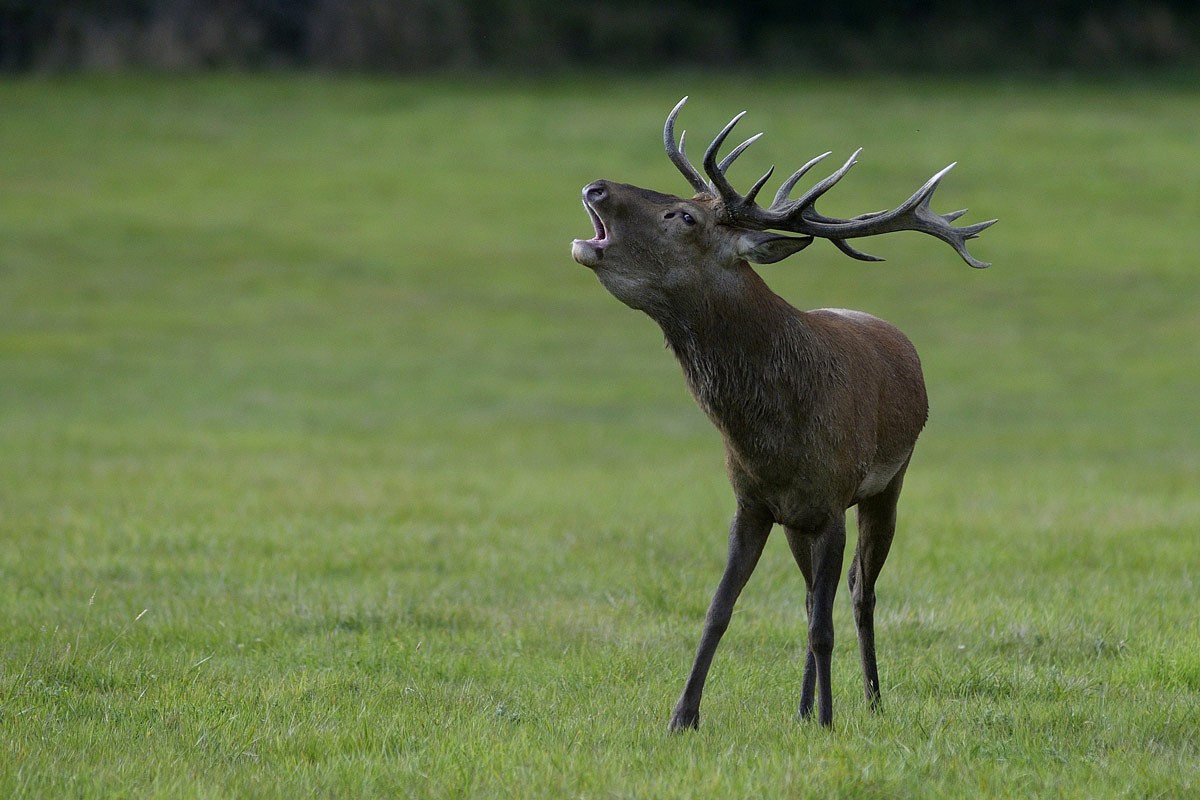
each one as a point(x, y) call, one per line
point(758, 185)
point(965, 234)
point(844, 246)
point(678, 156)
point(714, 170)
point(786, 188)
point(737, 151)
point(921, 196)
point(811, 196)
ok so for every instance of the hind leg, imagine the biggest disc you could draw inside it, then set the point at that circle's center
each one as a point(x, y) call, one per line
point(825, 546)
point(876, 527)
point(803, 555)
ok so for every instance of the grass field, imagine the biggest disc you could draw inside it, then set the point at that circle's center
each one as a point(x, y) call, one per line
point(324, 471)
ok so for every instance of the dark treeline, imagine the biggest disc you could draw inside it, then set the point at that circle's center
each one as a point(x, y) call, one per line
point(540, 35)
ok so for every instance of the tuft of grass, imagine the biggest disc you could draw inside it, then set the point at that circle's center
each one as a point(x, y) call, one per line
point(324, 471)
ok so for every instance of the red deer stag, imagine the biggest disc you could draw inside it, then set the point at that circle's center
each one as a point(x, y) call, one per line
point(819, 410)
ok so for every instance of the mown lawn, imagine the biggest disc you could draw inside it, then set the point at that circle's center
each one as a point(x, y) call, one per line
point(324, 471)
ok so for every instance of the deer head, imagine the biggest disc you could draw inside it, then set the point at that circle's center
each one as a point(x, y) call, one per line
point(650, 247)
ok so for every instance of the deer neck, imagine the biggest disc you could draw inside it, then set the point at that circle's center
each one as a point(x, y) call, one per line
point(748, 356)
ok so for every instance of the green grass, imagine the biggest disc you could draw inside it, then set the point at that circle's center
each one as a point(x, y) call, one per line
point(324, 471)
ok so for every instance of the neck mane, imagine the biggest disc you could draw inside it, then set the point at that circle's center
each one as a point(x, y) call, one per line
point(747, 355)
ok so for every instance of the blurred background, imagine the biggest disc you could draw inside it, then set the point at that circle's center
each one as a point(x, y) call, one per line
point(540, 35)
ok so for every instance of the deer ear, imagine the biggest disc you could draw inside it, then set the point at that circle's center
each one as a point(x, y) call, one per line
point(767, 248)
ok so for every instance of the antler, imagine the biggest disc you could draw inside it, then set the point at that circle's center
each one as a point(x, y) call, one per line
point(800, 215)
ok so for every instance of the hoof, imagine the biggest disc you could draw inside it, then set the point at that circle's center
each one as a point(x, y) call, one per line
point(684, 722)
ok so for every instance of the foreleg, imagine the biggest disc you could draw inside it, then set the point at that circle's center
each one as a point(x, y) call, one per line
point(747, 536)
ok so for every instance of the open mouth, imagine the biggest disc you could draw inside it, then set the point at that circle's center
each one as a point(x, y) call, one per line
point(601, 237)
point(589, 252)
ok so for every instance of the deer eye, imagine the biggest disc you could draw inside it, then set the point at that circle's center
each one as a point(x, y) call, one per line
point(688, 218)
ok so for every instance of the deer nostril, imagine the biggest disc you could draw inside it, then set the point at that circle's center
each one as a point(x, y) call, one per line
point(595, 192)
